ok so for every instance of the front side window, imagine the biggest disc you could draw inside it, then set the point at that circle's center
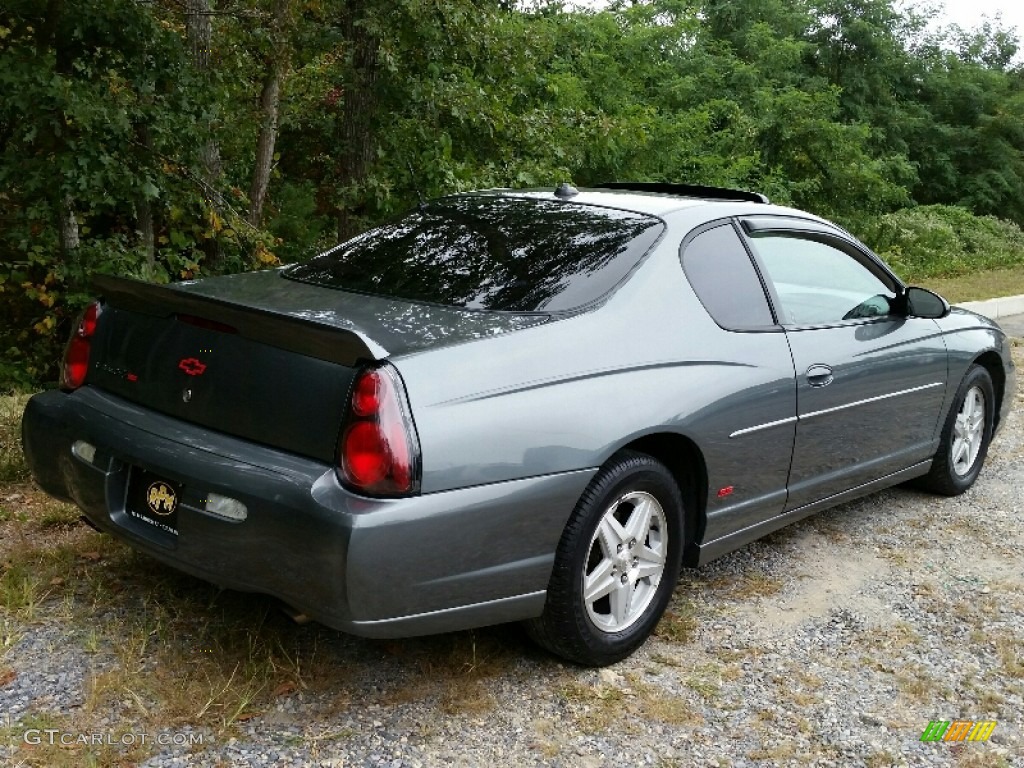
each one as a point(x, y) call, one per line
point(817, 283)
point(497, 252)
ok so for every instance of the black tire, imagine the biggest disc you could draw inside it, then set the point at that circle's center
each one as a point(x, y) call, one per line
point(947, 475)
point(583, 632)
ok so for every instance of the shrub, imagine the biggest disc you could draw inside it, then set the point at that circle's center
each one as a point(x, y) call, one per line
point(942, 241)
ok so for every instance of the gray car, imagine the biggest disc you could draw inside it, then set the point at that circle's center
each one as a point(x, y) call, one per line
point(514, 405)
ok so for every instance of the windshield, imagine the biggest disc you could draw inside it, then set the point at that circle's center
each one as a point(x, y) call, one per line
point(519, 254)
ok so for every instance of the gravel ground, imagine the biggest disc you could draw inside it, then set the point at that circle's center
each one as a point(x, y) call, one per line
point(831, 643)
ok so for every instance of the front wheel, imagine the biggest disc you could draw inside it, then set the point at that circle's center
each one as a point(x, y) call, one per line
point(616, 565)
point(965, 436)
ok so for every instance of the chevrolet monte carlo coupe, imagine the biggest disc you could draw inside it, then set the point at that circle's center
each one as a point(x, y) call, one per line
point(514, 405)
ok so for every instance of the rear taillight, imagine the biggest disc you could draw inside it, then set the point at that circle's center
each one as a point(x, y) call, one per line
point(379, 453)
point(76, 357)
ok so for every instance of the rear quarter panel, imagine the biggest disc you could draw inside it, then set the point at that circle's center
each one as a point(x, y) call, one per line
point(566, 395)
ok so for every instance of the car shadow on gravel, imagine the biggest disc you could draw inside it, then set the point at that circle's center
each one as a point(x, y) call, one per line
point(833, 641)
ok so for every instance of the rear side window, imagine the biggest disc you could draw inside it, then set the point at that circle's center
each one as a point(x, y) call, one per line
point(494, 252)
point(723, 277)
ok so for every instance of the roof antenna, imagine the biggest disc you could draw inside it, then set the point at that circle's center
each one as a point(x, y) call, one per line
point(566, 190)
point(415, 186)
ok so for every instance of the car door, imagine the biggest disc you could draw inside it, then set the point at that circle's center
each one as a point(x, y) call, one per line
point(748, 429)
point(870, 380)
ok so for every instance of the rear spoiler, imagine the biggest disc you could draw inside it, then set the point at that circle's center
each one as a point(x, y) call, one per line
point(295, 334)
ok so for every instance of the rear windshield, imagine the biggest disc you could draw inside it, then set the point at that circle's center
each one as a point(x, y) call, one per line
point(491, 252)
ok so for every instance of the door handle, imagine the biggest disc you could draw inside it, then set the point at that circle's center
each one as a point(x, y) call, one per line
point(819, 375)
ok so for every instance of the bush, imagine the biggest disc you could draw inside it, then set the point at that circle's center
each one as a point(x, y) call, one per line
point(942, 241)
point(12, 461)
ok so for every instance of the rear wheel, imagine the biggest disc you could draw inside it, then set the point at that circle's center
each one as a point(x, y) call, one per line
point(616, 565)
point(965, 436)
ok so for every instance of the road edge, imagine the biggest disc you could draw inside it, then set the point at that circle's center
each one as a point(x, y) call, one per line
point(996, 308)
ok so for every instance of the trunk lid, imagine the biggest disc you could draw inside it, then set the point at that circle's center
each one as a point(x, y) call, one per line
point(260, 357)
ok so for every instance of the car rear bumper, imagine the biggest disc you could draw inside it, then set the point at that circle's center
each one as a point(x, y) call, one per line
point(378, 568)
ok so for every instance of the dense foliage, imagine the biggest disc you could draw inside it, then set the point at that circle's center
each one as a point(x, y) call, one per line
point(169, 139)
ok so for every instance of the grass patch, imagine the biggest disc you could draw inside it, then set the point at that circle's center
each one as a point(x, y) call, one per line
point(21, 591)
point(678, 623)
point(881, 759)
point(896, 636)
point(969, 758)
point(452, 669)
point(171, 652)
point(746, 586)
point(706, 680)
point(597, 707)
point(30, 575)
point(114, 753)
point(773, 754)
point(12, 461)
point(705, 687)
point(976, 286)
point(917, 683)
point(1011, 654)
point(755, 584)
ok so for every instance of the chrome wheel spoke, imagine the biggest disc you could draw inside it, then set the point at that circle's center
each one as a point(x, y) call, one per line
point(651, 563)
point(976, 421)
point(640, 520)
point(621, 600)
point(968, 408)
point(600, 581)
point(959, 449)
point(612, 535)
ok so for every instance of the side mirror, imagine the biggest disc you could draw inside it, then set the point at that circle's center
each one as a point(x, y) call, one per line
point(924, 303)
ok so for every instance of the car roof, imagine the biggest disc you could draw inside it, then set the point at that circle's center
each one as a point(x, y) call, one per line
point(662, 204)
point(657, 204)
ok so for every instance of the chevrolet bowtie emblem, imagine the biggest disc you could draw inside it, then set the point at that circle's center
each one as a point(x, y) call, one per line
point(193, 366)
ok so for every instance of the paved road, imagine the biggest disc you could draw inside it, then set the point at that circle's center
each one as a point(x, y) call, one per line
point(1012, 324)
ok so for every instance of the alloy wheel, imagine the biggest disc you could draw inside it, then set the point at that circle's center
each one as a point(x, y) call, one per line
point(625, 562)
point(968, 432)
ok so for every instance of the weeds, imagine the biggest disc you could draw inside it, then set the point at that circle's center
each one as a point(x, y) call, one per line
point(678, 623)
point(596, 707)
point(12, 461)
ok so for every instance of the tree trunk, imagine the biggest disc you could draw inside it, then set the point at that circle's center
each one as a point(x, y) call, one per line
point(144, 211)
point(270, 99)
point(200, 38)
point(143, 208)
point(67, 223)
point(199, 28)
point(357, 126)
point(69, 240)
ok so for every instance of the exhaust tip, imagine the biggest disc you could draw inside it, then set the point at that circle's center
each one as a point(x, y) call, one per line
point(294, 614)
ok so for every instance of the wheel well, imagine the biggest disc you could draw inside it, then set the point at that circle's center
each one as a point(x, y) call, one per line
point(684, 460)
point(992, 363)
